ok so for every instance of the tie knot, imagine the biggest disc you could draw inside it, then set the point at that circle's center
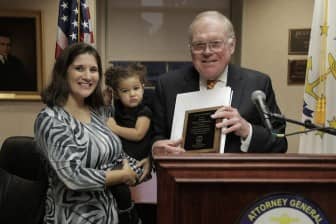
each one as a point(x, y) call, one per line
point(211, 84)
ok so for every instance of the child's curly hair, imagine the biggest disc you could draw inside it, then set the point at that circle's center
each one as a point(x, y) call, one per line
point(114, 74)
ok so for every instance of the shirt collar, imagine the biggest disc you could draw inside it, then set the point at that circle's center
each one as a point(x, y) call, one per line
point(222, 80)
point(2, 59)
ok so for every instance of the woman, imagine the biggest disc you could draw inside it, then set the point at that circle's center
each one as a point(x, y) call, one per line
point(85, 157)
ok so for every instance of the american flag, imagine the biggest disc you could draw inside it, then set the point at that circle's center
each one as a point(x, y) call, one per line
point(68, 29)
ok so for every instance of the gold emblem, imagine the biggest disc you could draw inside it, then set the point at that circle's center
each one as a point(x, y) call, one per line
point(284, 219)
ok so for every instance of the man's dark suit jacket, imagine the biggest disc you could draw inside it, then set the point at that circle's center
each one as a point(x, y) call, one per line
point(243, 82)
point(14, 77)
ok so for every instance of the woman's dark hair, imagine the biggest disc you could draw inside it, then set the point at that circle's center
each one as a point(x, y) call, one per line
point(114, 74)
point(57, 91)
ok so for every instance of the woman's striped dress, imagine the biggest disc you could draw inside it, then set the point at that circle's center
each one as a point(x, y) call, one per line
point(78, 156)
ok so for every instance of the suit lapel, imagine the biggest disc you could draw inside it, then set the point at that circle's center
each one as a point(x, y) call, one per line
point(237, 83)
point(191, 80)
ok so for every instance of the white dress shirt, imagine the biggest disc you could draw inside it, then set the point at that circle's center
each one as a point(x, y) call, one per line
point(2, 59)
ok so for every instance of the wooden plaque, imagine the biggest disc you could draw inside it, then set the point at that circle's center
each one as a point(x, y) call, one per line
point(199, 131)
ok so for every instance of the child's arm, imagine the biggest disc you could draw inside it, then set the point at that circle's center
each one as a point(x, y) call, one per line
point(133, 134)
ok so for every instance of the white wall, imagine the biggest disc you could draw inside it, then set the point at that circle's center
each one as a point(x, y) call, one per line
point(265, 48)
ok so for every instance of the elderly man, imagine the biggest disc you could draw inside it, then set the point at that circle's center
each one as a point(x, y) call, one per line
point(212, 43)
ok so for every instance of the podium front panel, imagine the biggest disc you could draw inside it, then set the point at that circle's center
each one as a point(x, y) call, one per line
point(218, 188)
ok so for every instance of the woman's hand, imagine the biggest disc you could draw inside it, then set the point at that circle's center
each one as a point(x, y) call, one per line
point(146, 164)
point(130, 177)
point(124, 175)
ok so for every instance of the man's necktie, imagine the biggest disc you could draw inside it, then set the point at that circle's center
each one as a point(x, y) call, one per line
point(211, 84)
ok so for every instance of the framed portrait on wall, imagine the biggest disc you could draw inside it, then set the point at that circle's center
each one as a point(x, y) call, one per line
point(20, 55)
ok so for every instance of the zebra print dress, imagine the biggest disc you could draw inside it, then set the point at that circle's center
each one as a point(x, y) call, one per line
point(78, 156)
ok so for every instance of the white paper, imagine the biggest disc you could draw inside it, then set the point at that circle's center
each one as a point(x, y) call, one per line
point(223, 136)
point(198, 100)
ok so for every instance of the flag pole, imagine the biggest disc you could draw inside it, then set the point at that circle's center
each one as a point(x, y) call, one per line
point(320, 113)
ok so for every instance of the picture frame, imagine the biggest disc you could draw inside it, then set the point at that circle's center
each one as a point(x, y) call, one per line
point(298, 41)
point(22, 79)
point(296, 71)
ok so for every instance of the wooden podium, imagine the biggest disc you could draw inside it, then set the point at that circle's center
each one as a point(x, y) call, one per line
point(208, 188)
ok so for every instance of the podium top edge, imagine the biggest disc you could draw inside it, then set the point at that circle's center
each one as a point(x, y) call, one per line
point(245, 156)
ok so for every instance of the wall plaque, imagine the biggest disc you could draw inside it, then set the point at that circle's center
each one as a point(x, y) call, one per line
point(296, 71)
point(298, 41)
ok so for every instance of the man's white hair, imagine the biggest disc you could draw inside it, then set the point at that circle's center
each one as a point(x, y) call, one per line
point(215, 15)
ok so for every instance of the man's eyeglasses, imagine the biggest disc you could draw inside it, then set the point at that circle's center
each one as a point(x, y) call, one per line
point(200, 47)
